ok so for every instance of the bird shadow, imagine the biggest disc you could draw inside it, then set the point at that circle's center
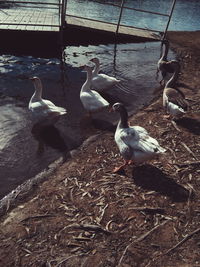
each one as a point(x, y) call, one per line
point(183, 85)
point(50, 136)
point(103, 125)
point(192, 125)
point(151, 178)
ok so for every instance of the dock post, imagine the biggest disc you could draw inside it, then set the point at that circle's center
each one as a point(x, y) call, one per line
point(170, 16)
point(120, 15)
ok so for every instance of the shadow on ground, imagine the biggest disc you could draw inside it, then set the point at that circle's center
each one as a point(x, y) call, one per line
point(50, 136)
point(151, 178)
point(192, 125)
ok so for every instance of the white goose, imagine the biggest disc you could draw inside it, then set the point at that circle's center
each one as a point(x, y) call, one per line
point(134, 142)
point(101, 81)
point(174, 101)
point(91, 100)
point(164, 65)
point(43, 110)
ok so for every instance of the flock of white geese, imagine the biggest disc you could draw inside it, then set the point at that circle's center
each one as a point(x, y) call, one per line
point(134, 142)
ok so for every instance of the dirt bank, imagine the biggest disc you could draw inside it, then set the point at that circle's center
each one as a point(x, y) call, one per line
point(83, 215)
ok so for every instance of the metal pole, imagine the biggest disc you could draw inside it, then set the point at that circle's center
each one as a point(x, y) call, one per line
point(170, 16)
point(120, 15)
point(64, 7)
point(59, 10)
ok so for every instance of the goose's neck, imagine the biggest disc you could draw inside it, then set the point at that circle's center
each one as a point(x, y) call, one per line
point(86, 86)
point(96, 69)
point(38, 91)
point(165, 51)
point(123, 122)
point(174, 77)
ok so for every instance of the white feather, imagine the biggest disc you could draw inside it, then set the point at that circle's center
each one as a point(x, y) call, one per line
point(91, 100)
point(139, 146)
point(43, 110)
point(134, 142)
point(174, 110)
point(101, 81)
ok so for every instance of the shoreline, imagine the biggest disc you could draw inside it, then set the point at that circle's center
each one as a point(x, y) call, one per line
point(146, 203)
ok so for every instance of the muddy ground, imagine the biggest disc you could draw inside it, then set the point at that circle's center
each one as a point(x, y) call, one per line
point(83, 215)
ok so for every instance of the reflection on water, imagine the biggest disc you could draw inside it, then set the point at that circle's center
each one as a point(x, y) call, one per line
point(26, 149)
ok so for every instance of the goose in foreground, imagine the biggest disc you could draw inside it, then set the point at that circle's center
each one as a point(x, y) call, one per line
point(91, 100)
point(101, 81)
point(174, 101)
point(43, 110)
point(134, 143)
point(164, 66)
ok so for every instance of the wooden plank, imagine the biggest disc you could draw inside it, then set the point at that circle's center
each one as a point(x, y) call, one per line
point(46, 20)
point(108, 27)
point(138, 32)
point(21, 19)
point(30, 27)
point(3, 19)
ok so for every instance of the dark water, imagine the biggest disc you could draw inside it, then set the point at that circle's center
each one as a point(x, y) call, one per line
point(24, 152)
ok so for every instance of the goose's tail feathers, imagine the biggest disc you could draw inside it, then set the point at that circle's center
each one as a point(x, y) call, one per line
point(59, 110)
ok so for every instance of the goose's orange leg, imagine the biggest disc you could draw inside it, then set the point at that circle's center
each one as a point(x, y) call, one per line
point(121, 167)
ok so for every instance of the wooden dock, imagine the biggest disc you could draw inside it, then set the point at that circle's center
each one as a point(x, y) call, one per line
point(92, 25)
point(29, 20)
point(46, 20)
point(47, 29)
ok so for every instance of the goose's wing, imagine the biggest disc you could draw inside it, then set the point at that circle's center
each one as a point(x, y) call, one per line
point(149, 144)
point(137, 138)
point(102, 81)
point(176, 97)
point(93, 100)
point(128, 136)
point(53, 108)
point(131, 135)
point(125, 139)
point(45, 107)
point(38, 106)
point(140, 130)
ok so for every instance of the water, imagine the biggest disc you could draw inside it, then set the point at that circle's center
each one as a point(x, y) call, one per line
point(23, 153)
point(185, 16)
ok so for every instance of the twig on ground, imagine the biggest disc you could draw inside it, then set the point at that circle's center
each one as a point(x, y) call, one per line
point(72, 256)
point(173, 153)
point(182, 241)
point(192, 163)
point(103, 211)
point(148, 209)
point(38, 217)
point(91, 227)
point(175, 126)
point(189, 150)
point(139, 239)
